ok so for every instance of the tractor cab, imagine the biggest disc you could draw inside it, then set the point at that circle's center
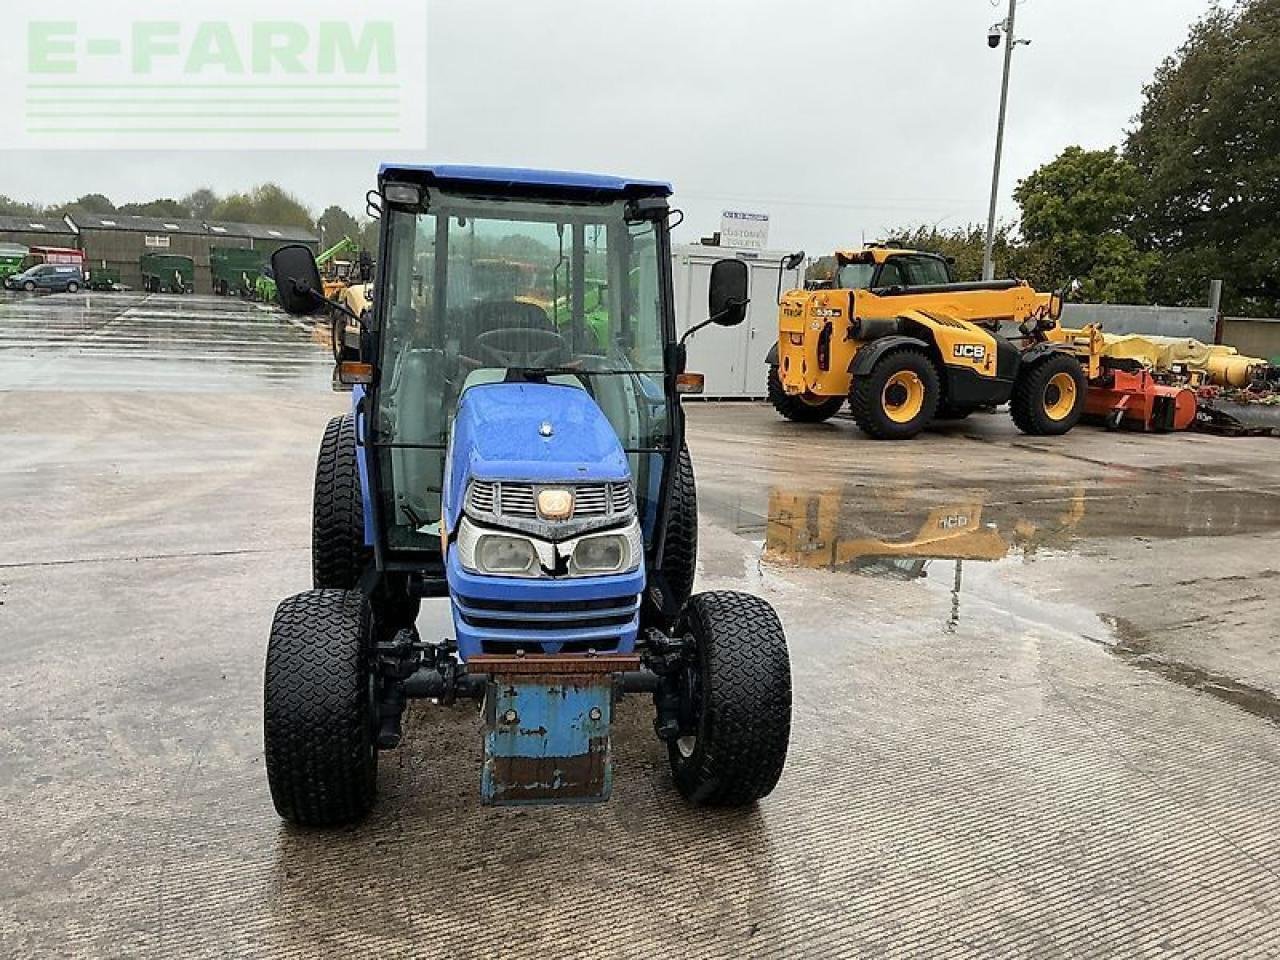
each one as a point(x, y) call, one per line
point(516, 444)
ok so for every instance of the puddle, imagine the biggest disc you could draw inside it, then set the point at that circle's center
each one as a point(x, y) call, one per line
point(968, 548)
point(855, 529)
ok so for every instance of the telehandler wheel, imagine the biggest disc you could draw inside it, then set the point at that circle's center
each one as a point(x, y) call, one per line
point(741, 697)
point(898, 398)
point(1049, 396)
point(338, 551)
point(680, 555)
point(804, 408)
point(321, 759)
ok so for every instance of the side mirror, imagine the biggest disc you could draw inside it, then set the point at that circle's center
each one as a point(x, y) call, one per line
point(728, 296)
point(298, 286)
point(793, 260)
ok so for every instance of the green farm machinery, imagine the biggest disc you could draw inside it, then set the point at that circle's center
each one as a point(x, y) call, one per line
point(235, 270)
point(167, 273)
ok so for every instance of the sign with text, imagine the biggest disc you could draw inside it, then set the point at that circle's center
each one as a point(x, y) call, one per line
point(235, 74)
point(747, 231)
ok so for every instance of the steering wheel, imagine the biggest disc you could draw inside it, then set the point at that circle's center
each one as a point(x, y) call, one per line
point(521, 347)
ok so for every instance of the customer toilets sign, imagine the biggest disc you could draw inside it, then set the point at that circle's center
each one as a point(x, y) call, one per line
point(230, 74)
point(746, 231)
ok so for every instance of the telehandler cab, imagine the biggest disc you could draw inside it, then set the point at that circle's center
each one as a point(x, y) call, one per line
point(892, 333)
point(537, 477)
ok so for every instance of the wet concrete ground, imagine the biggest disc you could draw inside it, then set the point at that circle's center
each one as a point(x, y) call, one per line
point(1035, 680)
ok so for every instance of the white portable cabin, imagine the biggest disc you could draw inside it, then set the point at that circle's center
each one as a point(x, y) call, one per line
point(732, 358)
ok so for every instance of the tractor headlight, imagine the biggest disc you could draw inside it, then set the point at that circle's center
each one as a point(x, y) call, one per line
point(497, 554)
point(508, 556)
point(605, 553)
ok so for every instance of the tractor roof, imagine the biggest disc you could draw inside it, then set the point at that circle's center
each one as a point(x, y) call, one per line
point(522, 182)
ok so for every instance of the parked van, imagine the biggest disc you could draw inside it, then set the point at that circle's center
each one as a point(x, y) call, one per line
point(54, 277)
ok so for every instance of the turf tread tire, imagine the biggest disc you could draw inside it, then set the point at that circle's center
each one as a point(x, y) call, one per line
point(1026, 406)
point(866, 392)
point(680, 546)
point(745, 723)
point(320, 758)
point(797, 410)
point(338, 551)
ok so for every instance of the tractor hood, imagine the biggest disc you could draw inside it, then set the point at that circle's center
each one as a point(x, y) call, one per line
point(529, 433)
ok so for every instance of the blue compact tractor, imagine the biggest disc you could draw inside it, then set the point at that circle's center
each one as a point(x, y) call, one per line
point(516, 443)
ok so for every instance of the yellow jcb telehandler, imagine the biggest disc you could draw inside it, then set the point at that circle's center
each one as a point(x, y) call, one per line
point(891, 331)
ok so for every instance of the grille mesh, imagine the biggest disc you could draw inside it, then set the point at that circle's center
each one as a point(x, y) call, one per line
point(521, 499)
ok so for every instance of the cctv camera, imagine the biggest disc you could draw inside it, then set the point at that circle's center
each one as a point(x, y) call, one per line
point(993, 38)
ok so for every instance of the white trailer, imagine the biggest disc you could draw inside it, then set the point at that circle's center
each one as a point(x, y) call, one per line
point(733, 358)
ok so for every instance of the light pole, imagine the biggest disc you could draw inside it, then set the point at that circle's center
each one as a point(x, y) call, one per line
point(993, 40)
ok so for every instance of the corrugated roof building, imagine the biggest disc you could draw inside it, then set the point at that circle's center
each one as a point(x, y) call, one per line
point(37, 231)
point(118, 241)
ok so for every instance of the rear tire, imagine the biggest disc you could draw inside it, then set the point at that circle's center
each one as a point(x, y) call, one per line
point(321, 761)
point(898, 398)
point(1049, 396)
point(803, 408)
point(338, 552)
point(739, 748)
point(680, 552)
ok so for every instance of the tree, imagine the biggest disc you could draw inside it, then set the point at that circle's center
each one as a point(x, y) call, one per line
point(92, 203)
point(200, 203)
point(1078, 215)
point(334, 224)
point(1207, 152)
point(16, 208)
point(167, 208)
point(265, 204)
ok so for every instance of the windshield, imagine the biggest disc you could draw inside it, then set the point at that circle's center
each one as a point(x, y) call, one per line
point(481, 291)
point(855, 276)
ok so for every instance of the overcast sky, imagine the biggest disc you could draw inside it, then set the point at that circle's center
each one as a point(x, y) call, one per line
point(839, 119)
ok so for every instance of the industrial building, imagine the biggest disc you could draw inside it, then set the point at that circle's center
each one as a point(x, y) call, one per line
point(115, 243)
point(37, 231)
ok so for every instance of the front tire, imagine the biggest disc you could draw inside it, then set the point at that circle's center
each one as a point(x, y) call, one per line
point(898, 398)
point(736, 752)
point(321, 760)
point(680, 550)
point(1048, 398)
point(803, 408)
point(73, 287)
point(29, 287)
point(338, 552)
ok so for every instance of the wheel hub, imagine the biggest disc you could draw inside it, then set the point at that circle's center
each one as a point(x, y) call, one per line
point(1060, 396)
point(903, 396)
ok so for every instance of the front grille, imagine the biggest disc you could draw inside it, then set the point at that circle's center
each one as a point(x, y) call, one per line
point(591, 501)
point(520, 500)
point(482, 496)
point(517, 500)
point(621, 498)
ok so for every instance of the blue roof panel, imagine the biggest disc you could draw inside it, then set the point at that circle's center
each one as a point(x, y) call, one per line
point(522, 177)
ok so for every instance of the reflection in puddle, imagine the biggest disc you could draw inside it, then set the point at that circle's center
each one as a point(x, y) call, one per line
point(825, 530)
point(967, 548)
